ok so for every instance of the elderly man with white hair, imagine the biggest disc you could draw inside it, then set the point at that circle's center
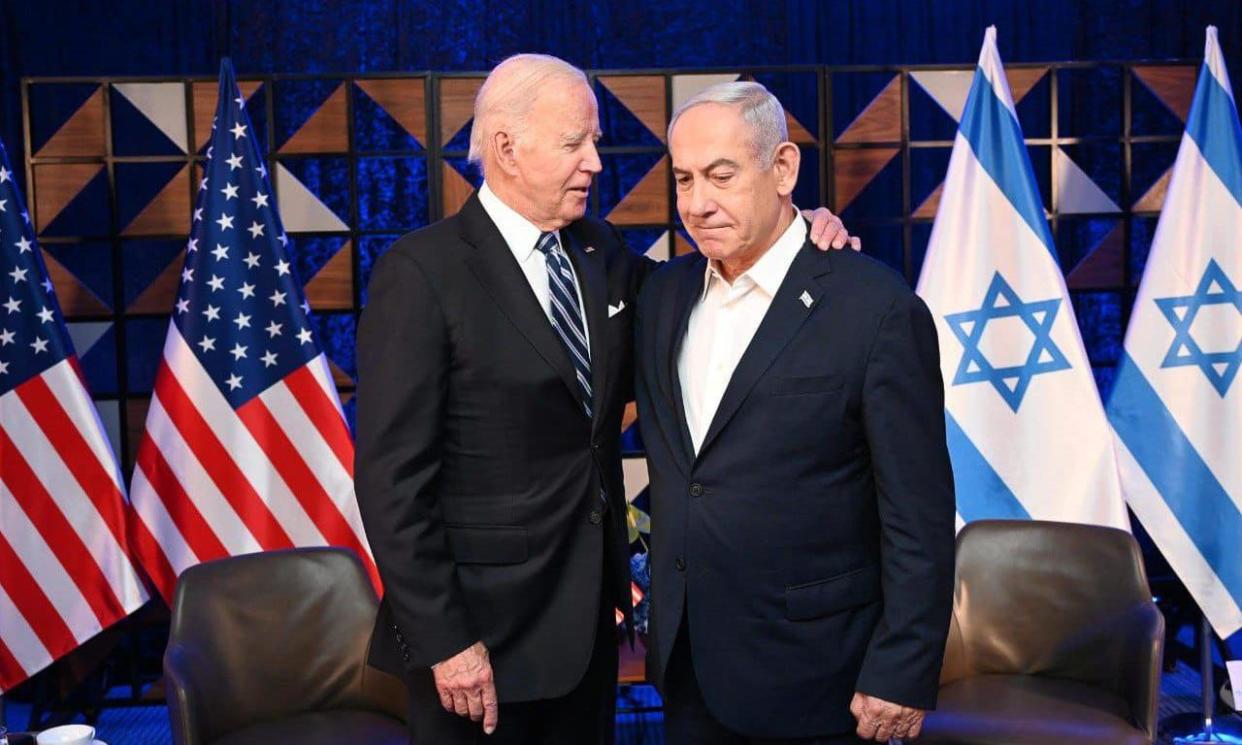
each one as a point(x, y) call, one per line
point(801, 494)
point(494, 364)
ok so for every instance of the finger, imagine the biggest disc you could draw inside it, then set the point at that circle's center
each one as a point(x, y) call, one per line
point(856, 706)
point(884, 731)
point(446, 699)
point(856, 243)
point(866, 728)
point(915, 730)
point(474, 702)
point(459, 704)
point(841, 239)
point(491, 709)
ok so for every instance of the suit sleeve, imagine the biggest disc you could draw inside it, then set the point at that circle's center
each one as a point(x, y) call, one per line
point(403, 361)
point(903, 415)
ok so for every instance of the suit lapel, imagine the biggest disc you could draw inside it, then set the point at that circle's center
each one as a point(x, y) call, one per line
point(594, 284)
point(500, 275)
point(784, 317)
point(688, 291)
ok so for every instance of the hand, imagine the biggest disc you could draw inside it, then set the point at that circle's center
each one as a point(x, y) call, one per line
point(466, 686)
point(827, 230)
point(882, 721)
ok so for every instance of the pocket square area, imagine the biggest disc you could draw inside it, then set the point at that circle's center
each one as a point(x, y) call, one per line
point(615, 309)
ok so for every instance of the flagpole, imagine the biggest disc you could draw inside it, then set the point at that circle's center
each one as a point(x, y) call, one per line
point(1192, 727)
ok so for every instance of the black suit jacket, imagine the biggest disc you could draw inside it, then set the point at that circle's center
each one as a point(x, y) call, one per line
point(810, 542)
point(478, 475)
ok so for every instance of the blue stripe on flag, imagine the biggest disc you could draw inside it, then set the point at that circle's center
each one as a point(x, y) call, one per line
point(996, 139)
point(1213, 125)
point(980, 491)
point(1185, 482)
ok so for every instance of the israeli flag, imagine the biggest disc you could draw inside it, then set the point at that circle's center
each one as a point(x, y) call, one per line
point(1027, 431)
point(1176, 406)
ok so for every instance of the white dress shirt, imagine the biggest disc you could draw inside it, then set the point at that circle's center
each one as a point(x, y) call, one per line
point(521, 235)
point(722, 324)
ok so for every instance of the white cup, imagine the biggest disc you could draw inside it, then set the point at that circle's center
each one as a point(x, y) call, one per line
point(68, 734)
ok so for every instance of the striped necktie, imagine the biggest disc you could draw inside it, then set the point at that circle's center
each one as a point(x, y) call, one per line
point(567, 314)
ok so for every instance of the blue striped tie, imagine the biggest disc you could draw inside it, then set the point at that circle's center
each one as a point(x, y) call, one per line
point(566, 313)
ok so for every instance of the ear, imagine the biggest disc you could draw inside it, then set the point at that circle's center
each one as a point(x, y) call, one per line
point(785, 166)
point(504, 151)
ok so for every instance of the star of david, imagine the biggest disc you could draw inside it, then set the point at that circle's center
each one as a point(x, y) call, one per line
point(1011, 381)
point(1215, 288)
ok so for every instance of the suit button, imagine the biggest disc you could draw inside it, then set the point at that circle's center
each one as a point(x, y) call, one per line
point(680, 564)
point(696, 490)
point(595, 445)
point(595, 517)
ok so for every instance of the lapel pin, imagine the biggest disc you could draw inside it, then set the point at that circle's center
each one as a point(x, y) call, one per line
point(806, 298)
point(589, 249)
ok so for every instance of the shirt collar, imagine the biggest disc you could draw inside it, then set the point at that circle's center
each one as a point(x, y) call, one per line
point(519, 233)
point(770, 270)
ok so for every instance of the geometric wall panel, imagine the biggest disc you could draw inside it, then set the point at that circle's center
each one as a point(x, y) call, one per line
point(82, 134)
point(357, 160)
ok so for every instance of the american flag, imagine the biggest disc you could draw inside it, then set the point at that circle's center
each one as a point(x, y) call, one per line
point(65, 569)
point(246, 447)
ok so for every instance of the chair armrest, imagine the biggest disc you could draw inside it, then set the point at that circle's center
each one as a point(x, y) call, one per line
point(385, 693)
point(184, 701)
point(1141, 664)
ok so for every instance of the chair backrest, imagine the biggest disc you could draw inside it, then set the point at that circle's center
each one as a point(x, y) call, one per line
point(271, 634)
point(1044, 598)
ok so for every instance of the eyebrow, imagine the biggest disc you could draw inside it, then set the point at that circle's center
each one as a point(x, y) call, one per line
point(717, 163)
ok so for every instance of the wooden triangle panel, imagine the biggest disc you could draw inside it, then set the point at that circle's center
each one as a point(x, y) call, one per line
point(135, 424)
point(332, 287)
point(74, 297)
point(326, 130)
point(161, 295)
point(456, 104)
point(56, 184)
point(168, 213)
point(682, 245)
point(405, 101)
point(854, 169)
point(339, 376)
point(204, 95)
point(1104, 266)
point(647, 202)
point(82, 134)
point(1022, 80)
point(455, 189)
point(798, 134)
point(1174, 85)
point(930, 204)
point(1153, 199)
point(643, 95)
point(880, 121)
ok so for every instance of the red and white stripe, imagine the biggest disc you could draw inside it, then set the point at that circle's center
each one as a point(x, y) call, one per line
point(210, 481)
point(65, 569)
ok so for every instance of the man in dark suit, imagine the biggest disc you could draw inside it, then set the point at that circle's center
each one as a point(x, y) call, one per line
point(801, 493)
point(494, 363)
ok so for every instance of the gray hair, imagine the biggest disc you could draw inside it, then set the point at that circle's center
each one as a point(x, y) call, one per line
point(506, 96)
point(763, 114)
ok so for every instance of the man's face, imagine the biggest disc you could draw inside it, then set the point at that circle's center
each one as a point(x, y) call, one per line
point(726, 200)
point(555, 156)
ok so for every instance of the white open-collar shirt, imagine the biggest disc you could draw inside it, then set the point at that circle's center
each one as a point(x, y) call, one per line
point(521, 235)
point(722, 324)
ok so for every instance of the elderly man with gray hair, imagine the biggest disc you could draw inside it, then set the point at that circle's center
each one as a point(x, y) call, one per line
point(495, 359)
point(801, 494)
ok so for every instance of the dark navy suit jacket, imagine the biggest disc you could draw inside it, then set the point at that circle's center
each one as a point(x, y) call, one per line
point(810, 542)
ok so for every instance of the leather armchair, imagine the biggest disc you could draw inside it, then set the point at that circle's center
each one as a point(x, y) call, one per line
point(1054, 639)
point(272, 647)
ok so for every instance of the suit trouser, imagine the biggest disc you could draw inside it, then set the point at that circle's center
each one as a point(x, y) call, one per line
point(688, 721)
point(584, 716)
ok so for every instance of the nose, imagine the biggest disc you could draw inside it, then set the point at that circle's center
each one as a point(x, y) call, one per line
point(591, 162)
point(698, 201)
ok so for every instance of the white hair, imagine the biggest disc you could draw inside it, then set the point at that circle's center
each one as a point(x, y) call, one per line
point(763, 114)
point(506, 96)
